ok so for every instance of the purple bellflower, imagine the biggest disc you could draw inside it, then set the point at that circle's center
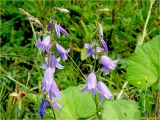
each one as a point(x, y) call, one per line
point(44, 44)
point(54, 91)
point(50, 86)
point(90, 50)
point(47, 79)
point(58, 30)
point(62, 52)
point(42, 108)
point(52, 62)
point(90, 84)
point(104, 91)
point(108, 64)
point(103, 44)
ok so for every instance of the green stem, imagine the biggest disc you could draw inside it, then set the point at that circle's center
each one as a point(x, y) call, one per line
point(34, 33)
point(121, 92)
point(147, 20)
point(77, 66)
point(97, 113)
point(54, 114)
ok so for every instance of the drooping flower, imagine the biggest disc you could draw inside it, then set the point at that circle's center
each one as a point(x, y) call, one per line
point(56, 105)
point(90, 50)
point(54, 91)
point(58, 30)
point(62, 52)
point(44, 44)
point(104, 91)
point(103, 44)
point(52, 62)
point(42, 108)
point(90, 83)
point(108, 64)
point(49, 26)
point(47, 79)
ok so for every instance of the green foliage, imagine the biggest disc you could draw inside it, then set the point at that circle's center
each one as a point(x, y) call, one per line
point(76, 105)
point(143, 66)
point(121, 110)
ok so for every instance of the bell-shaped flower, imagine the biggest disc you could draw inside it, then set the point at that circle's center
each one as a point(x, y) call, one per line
point(104, 91)
point(90, 83)
point(44, 44)
point(47, 79)
point(42, 108)
point(58, 30)
point(52, 62)
point(103, 44)
point(62, 52)
point(108, 64)
point(56, 105)
point(90, 50)
point(54, 91)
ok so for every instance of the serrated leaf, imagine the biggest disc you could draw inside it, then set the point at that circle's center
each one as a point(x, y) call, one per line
point(121, 110)
point(76, 105)
point(144, 64)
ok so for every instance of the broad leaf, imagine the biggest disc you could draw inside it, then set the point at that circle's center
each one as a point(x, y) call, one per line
point(144, 64)
point(121, 110)
point(76, 105)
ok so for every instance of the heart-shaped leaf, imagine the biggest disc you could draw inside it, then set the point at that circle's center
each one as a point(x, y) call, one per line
point(76, 104)
point(144, 65)
point(121, 110)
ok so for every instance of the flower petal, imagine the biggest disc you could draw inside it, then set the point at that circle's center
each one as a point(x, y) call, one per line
point(59, 66)
point(103, 44)
point(84, 88)
point(63, 31)
point(57, 29)
point(56, 105)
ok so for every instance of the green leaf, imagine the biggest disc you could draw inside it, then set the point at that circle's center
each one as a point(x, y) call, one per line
point(144, 64)
point(121, 110)
point(76, 104)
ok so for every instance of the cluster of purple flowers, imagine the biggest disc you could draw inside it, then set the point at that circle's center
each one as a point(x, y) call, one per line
point(48, 83)
point(91, 84)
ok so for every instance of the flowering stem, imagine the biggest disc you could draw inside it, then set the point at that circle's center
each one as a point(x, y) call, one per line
point(97, 113)
point(54, 114)
point(34, 33)
point(77, 66)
